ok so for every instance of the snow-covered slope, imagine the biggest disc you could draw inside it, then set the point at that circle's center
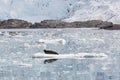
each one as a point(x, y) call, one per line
point(108, 10)
point(69, 10)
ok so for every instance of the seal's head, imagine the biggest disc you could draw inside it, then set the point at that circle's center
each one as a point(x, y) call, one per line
point(45, 50)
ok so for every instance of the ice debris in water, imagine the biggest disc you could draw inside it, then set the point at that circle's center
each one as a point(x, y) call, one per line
point(21, 64)
point(3, 41)
point(27, 45)
point(52, 41)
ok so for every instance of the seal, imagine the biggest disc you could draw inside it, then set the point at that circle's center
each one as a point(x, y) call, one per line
point(50, 52)
point(50, 60)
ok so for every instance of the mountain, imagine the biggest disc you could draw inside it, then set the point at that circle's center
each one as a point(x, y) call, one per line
point(67, 10)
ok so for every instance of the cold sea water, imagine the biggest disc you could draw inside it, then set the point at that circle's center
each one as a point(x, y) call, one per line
point(17, 47)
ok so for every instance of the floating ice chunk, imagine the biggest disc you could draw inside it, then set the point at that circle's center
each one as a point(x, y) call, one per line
point(72, 56)
point(105, 68)
point(4, 34)
point(15, 34)
point(27, 45)
point(22, 64)
point(18, 39)
point(2, 60)
point(52, 41)
point(18, 36)
point(91, 55)
point(66, 72)
point(25, 65)
point(95, 39)
point(3, 41)
point(41, 55)
point(1, 33)
point(11, 34)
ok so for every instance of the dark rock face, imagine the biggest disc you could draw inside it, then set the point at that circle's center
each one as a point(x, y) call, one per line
point(14, 23)
point(87, 24)
point(50, 24)
point(17, 23)
point(115, 27)
point(77, 24)
point(105, 25)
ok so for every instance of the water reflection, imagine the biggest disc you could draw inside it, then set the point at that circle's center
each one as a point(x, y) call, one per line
point(49, 60)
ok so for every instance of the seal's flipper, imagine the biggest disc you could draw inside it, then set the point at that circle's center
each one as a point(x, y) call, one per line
point(50, 52)
point(49, 60)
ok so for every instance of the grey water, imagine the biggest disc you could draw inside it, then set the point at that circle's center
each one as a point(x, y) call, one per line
point(18, 45)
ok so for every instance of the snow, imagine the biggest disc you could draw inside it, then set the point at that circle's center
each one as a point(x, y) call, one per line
point(68, 10)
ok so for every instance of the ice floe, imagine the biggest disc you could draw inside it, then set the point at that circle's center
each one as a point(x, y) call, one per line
point(52, 41)
point(72, 56)
point(27, 45)
point(3, 41)
point(21, 64)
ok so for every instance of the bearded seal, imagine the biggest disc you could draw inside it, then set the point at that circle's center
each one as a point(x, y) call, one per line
point(50, 52)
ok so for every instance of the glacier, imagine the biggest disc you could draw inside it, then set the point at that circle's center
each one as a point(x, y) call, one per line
point(67, 10)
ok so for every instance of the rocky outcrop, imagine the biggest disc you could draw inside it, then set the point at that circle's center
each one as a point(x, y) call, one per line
point(17, 23)
point(51, 24)
point(93, 24)
point(14, 23)
point(115, 27)
point(78, 24)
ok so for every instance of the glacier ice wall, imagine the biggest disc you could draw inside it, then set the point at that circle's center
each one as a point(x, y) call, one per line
point(35, 10)
point(69, 10)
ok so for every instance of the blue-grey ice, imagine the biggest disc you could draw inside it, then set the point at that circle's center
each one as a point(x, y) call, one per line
point(17, 51)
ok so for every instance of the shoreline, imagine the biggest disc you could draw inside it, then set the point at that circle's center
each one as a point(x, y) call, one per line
point(22, 24)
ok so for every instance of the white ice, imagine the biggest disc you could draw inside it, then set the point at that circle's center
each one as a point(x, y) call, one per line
point(72, 56)
point(52, 41)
